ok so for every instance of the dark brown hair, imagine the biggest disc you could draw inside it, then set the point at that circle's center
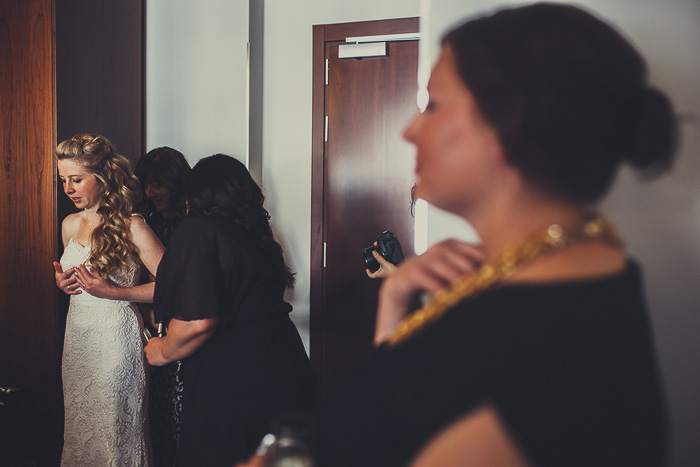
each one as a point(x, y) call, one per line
point(567, 95)
point(168, 168)
point(222, 185)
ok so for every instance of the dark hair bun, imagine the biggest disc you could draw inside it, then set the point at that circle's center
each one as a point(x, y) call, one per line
point(655, 132)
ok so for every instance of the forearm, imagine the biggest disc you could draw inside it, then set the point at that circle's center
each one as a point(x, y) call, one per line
point(186, 337)
point(176, 349)
point(139, 293)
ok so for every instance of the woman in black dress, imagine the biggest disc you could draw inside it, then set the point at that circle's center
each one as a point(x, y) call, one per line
point(162, 173)
point(220, 291)
point(535, 348)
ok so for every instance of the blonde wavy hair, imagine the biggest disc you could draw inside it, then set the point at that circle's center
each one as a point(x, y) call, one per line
point(111, 245)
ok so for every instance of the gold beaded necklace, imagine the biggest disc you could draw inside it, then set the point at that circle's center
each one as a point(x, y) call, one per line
point(594, 227)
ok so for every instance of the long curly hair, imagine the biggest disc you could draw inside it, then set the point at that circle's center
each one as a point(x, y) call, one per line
point(111, 245)
point(222, 185)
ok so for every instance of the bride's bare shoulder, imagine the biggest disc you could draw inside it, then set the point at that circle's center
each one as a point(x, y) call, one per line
point(70, 227)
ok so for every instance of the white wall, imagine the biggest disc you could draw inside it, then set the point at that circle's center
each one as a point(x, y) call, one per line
point(195, 76)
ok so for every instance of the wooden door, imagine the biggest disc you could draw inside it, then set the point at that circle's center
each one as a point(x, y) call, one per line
point(361, 183)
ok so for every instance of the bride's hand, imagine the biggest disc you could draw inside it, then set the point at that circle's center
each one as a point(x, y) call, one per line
point(93, 283)
point(430, 272)
point(65, 280)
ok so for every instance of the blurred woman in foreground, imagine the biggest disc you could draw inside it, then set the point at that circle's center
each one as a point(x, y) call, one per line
point(536, 346)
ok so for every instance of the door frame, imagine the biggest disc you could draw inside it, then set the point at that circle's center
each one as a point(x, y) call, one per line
point(321, 35)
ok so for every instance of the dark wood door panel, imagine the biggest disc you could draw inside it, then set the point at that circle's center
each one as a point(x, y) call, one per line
point(366, 188)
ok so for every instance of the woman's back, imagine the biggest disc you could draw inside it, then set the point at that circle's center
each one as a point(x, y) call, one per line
point(254, 367)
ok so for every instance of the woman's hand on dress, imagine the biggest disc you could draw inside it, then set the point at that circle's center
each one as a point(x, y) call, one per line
point(430, 272)
point(386, 268)
point(66, 280)
point(93, 283)
point(154, 351)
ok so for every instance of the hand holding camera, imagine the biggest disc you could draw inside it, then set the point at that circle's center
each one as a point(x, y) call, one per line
point(389, 253)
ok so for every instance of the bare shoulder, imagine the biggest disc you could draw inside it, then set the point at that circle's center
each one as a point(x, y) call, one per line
point(138, 222)
point(70, 227)
point(140, 230)
point(72, 220)
point(148, 247)
point(141, 233)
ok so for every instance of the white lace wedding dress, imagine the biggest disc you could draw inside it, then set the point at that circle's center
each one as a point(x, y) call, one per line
point(104, 378)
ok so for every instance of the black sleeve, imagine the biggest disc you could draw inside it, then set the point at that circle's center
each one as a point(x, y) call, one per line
point(189, 284)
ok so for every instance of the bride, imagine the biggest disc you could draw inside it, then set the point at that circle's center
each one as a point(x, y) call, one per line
point(105, 246)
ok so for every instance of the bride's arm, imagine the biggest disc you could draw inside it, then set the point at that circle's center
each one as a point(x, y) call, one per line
point(66, 280)
point(149, 247)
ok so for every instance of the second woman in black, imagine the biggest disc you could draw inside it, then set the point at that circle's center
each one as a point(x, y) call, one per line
point(220, 289)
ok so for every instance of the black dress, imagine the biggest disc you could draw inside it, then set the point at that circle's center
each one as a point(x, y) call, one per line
point(162, 226)
point(254, 368)
point(165, 385)
point(569, 367)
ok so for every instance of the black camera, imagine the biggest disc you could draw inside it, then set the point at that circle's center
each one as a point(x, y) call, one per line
point(388, 246)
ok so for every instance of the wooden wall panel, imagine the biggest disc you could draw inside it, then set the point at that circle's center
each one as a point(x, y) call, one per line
point(29, 354)
point(99, 71)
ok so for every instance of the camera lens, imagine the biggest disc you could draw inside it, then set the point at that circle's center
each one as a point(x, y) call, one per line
point(370, 260)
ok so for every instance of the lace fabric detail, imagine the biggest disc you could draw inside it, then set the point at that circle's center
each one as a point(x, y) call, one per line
point(165, 388)
point(126, 277)
point(104, 377)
